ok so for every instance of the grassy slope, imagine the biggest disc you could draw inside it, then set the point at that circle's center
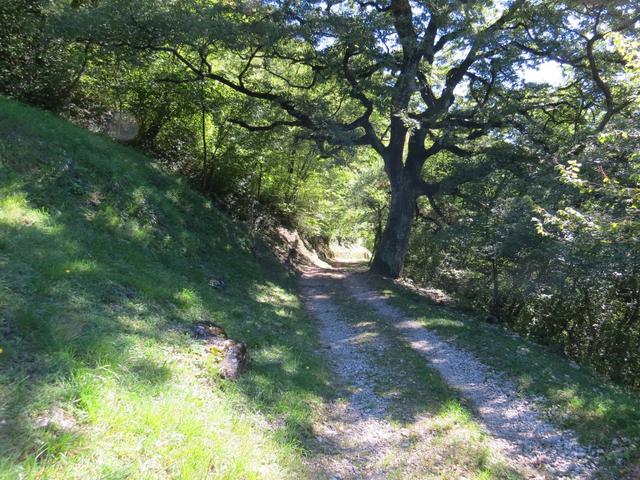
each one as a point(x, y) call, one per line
point(104, 265)
point(602, 414)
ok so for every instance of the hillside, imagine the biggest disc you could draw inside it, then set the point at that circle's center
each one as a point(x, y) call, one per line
point(106, 263)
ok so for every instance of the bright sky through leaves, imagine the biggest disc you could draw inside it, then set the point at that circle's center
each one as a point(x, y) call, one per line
point(547, 72)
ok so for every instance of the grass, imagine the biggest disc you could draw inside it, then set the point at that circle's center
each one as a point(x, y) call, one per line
point(105, 263)
point(601, 413)
point(445, 439)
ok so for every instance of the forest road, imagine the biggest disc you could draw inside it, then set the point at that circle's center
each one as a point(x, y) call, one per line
point(360, 436)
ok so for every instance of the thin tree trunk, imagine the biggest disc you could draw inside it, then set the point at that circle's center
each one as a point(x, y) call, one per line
point(203, 131)
point(495, 307)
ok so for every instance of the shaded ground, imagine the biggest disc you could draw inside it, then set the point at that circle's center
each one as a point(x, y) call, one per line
point(373, 432)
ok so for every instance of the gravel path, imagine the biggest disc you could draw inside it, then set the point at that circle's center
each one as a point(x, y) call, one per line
point(354, 437)
point(521, 432)
point(355, 440)
point(366, 433)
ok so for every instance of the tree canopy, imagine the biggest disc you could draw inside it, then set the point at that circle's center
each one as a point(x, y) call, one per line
point(423, 128)
point(414, 82)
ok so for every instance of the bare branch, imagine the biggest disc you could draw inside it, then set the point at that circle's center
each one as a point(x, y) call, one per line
point(263, 128)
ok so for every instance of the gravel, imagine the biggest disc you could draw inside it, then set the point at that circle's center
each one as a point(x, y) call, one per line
point(354, 440)
point(353, 437)
point(517, 427)
point(359, 436)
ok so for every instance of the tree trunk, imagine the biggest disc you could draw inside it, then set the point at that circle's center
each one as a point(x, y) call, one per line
point(392, 248)
point(495, 301)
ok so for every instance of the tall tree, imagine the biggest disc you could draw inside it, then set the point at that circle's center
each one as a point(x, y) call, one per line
point(412, 80)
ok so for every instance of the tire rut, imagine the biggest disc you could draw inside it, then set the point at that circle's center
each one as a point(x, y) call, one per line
point(360, 436)
point(514, 422)
point(353, 437)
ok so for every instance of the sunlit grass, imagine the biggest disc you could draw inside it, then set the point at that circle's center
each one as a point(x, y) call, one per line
point(104, 266)
point(14, 211)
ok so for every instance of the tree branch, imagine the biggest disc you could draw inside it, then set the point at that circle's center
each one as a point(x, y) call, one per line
point(263, 128)
point(356, 93)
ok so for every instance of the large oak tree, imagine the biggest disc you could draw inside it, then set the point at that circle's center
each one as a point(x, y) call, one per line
point(412, 80)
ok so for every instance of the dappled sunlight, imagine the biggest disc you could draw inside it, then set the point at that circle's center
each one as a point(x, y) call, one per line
point(321, 296)
point(395, 415)
point(187, 298)
point(269, 292)
point(515, 423)
point(569, 395)
point(15, 211)
point(360, 338)
point(95, 317)
point(371, 239)
point(82, 266)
